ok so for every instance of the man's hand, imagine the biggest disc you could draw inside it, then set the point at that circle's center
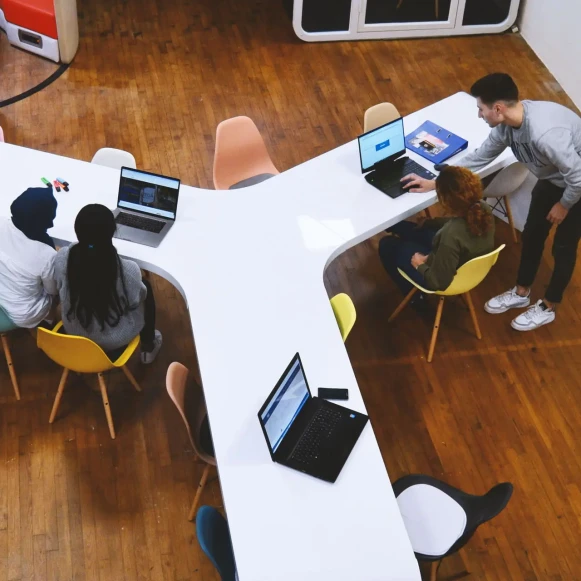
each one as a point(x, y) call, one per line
point(418, 259)
point(414, 183)
point(557, 214)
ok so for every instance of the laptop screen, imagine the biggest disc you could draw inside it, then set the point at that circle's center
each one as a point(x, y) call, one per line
point(381, 143)
point(284, 404)
point(148, 193)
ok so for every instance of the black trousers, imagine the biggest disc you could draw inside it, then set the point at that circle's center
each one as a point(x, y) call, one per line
point(544, 196)
point(148, 332)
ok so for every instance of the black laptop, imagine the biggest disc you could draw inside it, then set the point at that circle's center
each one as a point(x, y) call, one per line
point(381, 152)
point(306, 433)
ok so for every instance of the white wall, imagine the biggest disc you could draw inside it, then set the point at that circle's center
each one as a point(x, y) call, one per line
point(551, 29)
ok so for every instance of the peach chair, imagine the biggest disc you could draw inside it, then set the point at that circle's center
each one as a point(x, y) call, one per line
point(176, 383)
point(240, 158)
point(1, 135)
point(379, 115)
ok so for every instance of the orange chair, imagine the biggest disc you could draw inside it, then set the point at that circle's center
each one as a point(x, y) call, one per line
point(176, 385)
point(1, 134)
point(240, 158)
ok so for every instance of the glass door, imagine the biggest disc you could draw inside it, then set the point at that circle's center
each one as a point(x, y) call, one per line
point(378, 15)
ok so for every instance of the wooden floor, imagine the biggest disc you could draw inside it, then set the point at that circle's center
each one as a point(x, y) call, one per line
point(155, 77)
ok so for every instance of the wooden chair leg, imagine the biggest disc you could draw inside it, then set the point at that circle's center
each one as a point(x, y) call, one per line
point(427, 213)
point(510, 219)
point(59, 394)
point(8, 356)
point(103, 387)
point(130, 377)
point(473, 314)
point(437, 8)
point(201, 486)
point(434, 570)
point(402, 305)
point(436, 328)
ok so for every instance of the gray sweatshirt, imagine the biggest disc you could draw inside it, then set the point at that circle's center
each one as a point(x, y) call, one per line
point(548, 142)
point(131, 323)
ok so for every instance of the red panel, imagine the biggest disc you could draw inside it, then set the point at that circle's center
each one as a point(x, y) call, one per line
point(36, 15)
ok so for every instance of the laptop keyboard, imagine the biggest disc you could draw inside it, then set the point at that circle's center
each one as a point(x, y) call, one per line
point(320, 429)
point(392, 182)
point(140, 223)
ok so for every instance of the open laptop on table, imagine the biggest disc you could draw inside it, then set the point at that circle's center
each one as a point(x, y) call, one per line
point(381, 151)
point(309, 434)
point(146, 206)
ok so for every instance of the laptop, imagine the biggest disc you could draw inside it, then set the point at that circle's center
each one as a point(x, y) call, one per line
point(146, 206)
point(381, 151)
point(306, 433)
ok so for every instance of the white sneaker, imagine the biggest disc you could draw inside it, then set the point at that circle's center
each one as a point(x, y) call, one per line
point(148, 357)
point(534, 317)
point(508, 300)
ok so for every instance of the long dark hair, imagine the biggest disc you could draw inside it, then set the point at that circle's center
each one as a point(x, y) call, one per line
point(460, 192)
point(93, 269)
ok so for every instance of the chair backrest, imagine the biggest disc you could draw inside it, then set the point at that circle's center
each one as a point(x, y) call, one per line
point(115, 158)
point(176, 383)
point(471, 274)
point(345, 313)
point(240, 153)
point(6, 323)
point(379, 115)
point(477, 509)
point(78, 354)
point(214, 538)
point(1, 134)
point(507, 181)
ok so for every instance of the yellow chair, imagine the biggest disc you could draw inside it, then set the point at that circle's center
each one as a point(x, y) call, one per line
point(82, 355)
point(469, 276)
point(379, 115)
point(345, 313)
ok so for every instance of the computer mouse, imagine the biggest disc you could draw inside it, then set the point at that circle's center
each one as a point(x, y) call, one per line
point(440, 166)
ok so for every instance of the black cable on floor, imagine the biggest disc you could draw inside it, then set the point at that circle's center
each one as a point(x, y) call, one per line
point(63, 67)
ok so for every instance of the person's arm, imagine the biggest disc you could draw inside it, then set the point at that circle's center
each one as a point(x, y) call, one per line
point(442, 268)
point(487, 152)
point(558, 147)
point(136, 290)
point(47, 276)
point(435, 223)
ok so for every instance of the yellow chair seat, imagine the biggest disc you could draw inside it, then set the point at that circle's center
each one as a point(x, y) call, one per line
point(345, 313)
point(82, 355)
point(468, 277)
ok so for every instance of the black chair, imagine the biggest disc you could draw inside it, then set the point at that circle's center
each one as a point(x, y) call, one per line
point(441, 519)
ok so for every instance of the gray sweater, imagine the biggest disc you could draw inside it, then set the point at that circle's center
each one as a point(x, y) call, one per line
point(130, 325)
point(548, 142)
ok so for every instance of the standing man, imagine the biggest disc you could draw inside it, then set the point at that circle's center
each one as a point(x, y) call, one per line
point(546, 137)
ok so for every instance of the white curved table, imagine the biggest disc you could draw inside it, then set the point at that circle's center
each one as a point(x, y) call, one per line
point(250, 266)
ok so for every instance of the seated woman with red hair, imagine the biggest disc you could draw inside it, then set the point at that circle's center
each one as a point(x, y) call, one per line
point(430, 253)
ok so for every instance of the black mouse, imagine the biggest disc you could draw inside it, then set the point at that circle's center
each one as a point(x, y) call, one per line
point(440, 166)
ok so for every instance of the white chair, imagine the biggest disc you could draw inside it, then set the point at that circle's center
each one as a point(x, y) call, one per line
point(505, 183)
point(115, 158)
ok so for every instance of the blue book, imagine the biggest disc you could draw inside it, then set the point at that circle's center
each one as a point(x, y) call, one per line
point(434, 142)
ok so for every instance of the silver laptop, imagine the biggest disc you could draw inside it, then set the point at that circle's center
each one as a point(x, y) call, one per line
point(146, 206)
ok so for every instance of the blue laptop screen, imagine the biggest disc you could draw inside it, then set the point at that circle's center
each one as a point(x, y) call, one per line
point(382, 143)
point(285, 405)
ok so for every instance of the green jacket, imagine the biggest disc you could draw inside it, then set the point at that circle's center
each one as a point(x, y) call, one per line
point(453, 245)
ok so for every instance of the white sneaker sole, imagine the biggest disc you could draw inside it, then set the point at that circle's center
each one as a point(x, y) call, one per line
point(500, 310)
point(516, 326)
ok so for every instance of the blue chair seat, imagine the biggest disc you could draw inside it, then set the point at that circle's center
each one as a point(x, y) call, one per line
point(6, 323)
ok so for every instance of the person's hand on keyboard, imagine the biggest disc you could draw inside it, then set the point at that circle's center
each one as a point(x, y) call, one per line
point(414, 183)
